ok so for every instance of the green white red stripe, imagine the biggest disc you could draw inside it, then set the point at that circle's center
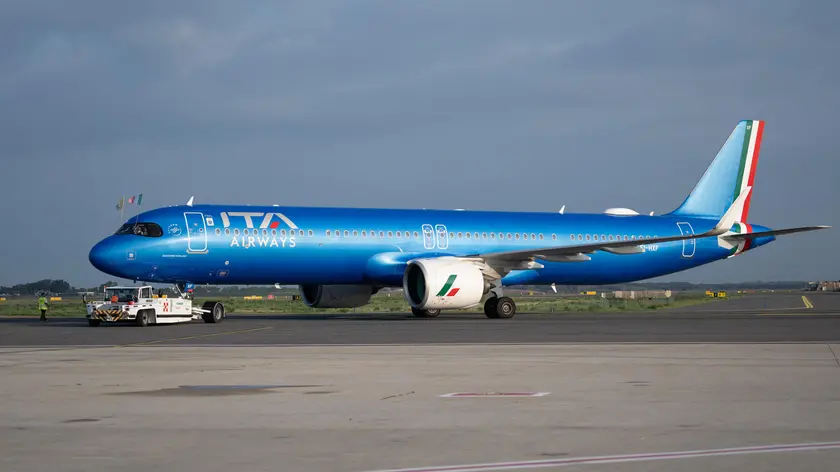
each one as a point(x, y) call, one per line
point(447, 286)
point(749, 161)
point(741, 228)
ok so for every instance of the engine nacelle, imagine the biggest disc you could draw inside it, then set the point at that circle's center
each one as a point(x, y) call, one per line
point(336, 296)
point(443, 283)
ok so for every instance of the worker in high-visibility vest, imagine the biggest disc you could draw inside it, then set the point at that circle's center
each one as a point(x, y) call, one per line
point(43, 306)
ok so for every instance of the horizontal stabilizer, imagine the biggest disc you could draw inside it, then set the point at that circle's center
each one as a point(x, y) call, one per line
point(775, 232)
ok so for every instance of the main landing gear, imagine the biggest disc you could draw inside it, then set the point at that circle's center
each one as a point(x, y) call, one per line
point(499, 307)
point(424, 313)
point(495, 307)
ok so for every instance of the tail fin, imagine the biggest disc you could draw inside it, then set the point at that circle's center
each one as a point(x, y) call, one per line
point(732, 171)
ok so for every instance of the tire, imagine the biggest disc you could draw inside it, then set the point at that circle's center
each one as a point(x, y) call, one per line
point(506, 307)
point(490, 308)
point(93, 322)
point(142, 318)
point(217, 312)
point(425, 313)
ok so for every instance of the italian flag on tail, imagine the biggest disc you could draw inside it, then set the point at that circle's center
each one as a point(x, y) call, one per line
point(749, 161)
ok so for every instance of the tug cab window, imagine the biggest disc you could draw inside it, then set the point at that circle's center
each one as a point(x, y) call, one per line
point(151, 230)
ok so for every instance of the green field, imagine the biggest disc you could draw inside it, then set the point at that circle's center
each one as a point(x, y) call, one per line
point(385, 304)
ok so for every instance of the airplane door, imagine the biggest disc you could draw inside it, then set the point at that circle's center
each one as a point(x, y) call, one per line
point(689, 245)
point(196, 232)
point(442, 238)
point(428, 237)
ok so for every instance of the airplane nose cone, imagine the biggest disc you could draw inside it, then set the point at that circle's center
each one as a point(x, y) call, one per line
point(99, 256)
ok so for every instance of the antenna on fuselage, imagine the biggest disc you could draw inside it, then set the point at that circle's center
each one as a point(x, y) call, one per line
point(562, 209)
point(190, 202)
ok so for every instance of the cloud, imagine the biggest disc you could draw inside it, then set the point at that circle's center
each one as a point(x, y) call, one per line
point(527, 106)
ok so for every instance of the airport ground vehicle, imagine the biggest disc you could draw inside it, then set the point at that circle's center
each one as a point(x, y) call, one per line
point(140, 305)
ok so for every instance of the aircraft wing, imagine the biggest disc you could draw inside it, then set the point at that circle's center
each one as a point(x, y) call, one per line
point(507, 260)
point(577, 252)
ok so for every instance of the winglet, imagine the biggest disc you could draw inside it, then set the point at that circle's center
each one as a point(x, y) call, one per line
point(731, 216)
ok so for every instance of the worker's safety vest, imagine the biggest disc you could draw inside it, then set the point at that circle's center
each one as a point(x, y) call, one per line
point(42, 303)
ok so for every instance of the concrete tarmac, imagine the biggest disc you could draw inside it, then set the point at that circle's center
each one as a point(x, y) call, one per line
point(363, 408)
point(364, 392)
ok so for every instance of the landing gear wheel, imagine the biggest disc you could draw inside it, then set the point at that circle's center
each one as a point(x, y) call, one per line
point(217, 312)
point(505, 307)
point(499, 307)
point(424, 313)
point(490, 308)
point(142, 318)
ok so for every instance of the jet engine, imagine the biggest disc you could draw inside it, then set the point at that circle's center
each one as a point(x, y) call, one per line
point(443, 283)
point(336, 296)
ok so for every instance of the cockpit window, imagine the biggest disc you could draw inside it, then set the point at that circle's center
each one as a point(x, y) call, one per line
point(151, 230)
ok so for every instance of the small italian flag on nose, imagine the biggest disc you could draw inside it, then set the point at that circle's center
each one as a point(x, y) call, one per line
point(138, 198)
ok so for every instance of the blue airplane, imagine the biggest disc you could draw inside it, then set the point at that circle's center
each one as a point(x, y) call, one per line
point(443, 259)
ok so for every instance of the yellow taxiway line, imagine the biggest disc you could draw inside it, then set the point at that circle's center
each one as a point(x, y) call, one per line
point(807, 302)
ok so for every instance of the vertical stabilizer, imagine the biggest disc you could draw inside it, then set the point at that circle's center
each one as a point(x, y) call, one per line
point(732, 171)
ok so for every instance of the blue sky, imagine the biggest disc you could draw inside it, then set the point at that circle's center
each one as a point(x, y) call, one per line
point(517, 105)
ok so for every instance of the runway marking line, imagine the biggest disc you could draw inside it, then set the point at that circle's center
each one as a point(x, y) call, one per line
point(197, 336)
point(624, 458)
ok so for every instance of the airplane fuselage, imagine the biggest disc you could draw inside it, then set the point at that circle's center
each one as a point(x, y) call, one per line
point(243, 245)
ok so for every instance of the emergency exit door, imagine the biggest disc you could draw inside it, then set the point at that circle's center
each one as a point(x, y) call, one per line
point(196, 232)
point(689, 245)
